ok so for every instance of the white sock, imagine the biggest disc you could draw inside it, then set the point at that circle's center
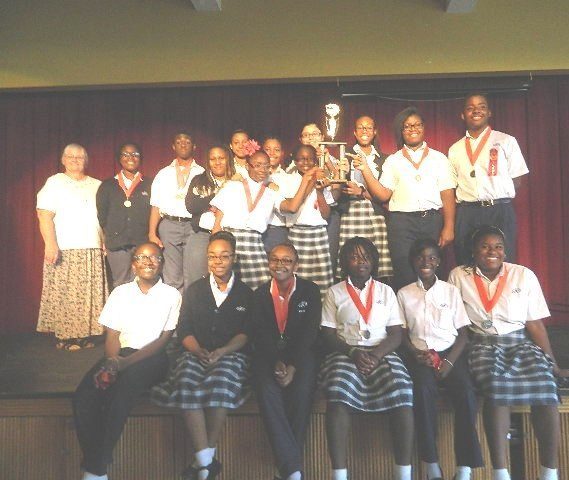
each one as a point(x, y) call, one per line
point(463, 473)
point(500, 474)
point(340, 474)
point(212, 451)
point(92, 476)
point(204, 457)
point(402, 472)
point(294, 476)
point(433, 470)
point(547, 473)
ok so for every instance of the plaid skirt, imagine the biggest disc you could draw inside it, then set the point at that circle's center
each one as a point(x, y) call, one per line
point(74, 292)
point(389, 385)
point(511, 370)
point(190, 385)
point(362, 221)
point(252, 264)
point(314, 255)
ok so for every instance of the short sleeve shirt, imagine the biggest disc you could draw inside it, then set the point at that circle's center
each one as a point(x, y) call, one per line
point(74, 204)
point(522, 299)
point(340, 312)
point(141, 318)
point(432, 316)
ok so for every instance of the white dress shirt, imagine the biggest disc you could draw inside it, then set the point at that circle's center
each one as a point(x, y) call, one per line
point(511, 164)
point(218, 295)
point(141, 318)
point(432, 316)
point(308, 214)
point(416, 189)
point(522, 299)
point(165, 193)
point(340, 312)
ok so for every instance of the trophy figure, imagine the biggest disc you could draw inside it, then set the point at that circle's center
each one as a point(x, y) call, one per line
point(332, 125)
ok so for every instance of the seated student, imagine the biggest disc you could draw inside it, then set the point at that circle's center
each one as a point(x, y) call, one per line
point(285, 319)
point(361, 326)
point(277, 230)
point(140, 318)
point(244, 207)
point(308, 231)
point(434, 340)
point(207, 378)
point(510, 358)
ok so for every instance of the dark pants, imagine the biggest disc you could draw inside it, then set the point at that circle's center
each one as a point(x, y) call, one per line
point(333, 229)
point(470, 217)
point(286, 411)
point(273, 236)
point(403, 228)
point(458, 386)
point(120, 264)
point(100, 415)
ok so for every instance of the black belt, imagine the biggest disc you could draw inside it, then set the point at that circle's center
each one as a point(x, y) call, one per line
point(176, 219)
point(486, 203)
point(422, 213)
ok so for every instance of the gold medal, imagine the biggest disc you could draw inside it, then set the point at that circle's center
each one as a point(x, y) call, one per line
point(127, 203)
point(472, 173)
point(418, 178)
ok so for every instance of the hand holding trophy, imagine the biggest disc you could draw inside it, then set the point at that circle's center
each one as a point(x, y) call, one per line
point(332, 125)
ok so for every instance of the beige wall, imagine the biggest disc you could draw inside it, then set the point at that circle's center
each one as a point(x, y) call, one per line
point(47, 43)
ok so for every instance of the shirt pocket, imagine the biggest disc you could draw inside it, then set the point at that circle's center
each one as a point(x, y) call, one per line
point(517, 302)
point(442, 317)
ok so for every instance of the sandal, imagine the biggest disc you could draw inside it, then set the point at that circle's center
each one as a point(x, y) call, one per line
point(68, 346)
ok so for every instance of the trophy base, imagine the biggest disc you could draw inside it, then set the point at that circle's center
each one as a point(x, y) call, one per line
point(332, 144)
point(339, 181)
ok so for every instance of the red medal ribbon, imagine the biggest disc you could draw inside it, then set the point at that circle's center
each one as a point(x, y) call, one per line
point(250, 203)
point(408, 157)
point(474, 156)
point(281, 304)
point(364, 312)
point(490, 303)
point(135, 181)
point(181, 175)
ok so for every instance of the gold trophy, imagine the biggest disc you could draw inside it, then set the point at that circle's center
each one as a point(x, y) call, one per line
point(332, 125)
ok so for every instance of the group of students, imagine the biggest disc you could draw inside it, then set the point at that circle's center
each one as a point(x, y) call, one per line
point(244, 203)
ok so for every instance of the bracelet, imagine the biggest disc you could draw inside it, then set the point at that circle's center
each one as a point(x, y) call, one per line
point(448, 361)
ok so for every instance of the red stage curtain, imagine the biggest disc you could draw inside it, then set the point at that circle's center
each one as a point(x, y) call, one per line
point(35, 126)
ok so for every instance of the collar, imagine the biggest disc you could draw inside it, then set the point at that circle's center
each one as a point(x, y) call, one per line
point(153, 287)
point(213, 284)
point(479, 136)
point(358, 149)
point(192, 165)
point(367, 284)
point(411, 151)
point(500, 273)
point(419, 283)
point(274, 286)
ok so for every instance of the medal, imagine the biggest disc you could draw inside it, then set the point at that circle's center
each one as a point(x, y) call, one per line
point(418, 178)
point(472, 173)
point(363, 311)
point(486, 324)
point(128, 191)
point(418, 164)
point(127, 203)
point(180, 195)
point(473, 156)
point(366, 334)
point(281, 343)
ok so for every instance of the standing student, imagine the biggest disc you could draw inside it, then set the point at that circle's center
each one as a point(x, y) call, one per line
point(237, 144)
point(418, 183)
point(308, 225)
point(208, 376)
point(74, 284)
point(277, 230)
point(170, 222)
point(510, 356)
point(245, 207)
point(488, 166)
point(361, 214)
point(139, 319)
point(362, 327)
point(435, 335)
point(123, 208)
point(285, 320)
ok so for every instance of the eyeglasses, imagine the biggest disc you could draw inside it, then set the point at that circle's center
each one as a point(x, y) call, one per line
point(226, 257)
point(415, 126)
point(130, 154)
point(74, 157)
point(148, 258)
point(260, 166)
point(285, 262)
point(311, 135)
point(365, 128)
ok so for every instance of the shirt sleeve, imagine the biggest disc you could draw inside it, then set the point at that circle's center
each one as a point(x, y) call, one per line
point(537, 305)
point(387, 178)
point(401, 303)
point(329, 310)
point(46, 198)
point(395, 316)
point(174, 313)
point(220, 200)
point(446, 178)
point(155, 198)
point(516, 162)
point(327, 192)
point(111, 315)
point(460, 316)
